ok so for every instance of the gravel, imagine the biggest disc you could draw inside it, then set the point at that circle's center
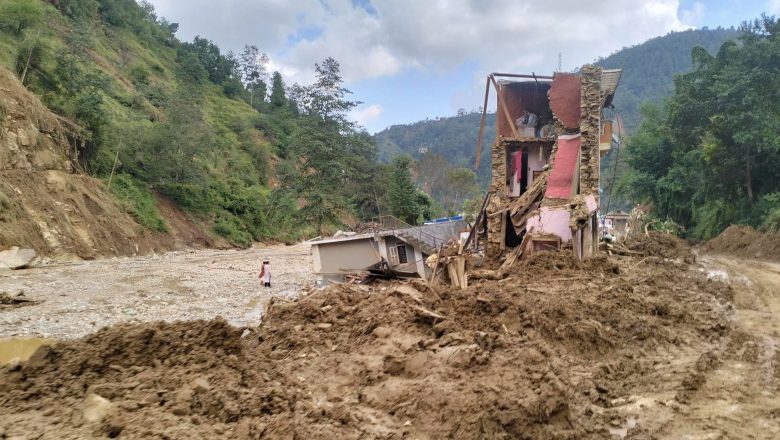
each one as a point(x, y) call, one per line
point(75, 299)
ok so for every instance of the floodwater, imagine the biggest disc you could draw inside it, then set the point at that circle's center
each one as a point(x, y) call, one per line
point(20, 348)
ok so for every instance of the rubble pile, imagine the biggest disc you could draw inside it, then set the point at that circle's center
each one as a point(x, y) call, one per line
point(746, 242)
point(541, 353)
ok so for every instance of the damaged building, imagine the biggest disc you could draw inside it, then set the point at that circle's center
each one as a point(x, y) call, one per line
point(551, 134)
point(392, 249)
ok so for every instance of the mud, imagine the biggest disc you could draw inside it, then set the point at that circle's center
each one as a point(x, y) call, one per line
point(658, 244)
point(560, 349)
point(746, 242)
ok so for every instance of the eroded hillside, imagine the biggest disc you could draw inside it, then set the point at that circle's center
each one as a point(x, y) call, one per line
point(47, 205)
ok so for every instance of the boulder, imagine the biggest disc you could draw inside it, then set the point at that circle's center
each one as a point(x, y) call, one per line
point(96, 408)
point(16, 258)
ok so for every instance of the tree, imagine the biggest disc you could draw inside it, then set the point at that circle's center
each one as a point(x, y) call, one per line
point(78, 9)
point(711, 157)
point(402, 192)
point(462, 183)
point(18, 15)
point(319, 148)
point(327, 98)
point(219, 67)
point(278, 98)
point(252, 65)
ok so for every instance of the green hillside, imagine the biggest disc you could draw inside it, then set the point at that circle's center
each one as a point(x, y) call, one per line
point(649, 68)
point(454, 137)
point(213, 131)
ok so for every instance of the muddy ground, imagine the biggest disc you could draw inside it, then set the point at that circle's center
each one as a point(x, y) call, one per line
point(619, 347)
point(746, 242)
point(74, 299)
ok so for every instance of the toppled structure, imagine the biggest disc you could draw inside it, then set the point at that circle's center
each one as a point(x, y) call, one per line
point(551, 135)
point(392, 248)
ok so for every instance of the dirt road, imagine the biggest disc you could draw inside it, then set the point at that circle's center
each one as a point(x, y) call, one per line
point(741, 395)
point(79, 298)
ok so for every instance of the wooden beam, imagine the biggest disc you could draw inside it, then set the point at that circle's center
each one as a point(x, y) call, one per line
point(478, 220)
point(518, 75)
point(505, 109)
point(482, 124)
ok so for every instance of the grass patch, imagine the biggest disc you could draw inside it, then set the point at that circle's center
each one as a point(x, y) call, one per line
point(138, 201)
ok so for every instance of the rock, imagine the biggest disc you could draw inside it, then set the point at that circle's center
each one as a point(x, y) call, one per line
point(96, 408)
point(200, 385)
point(16, 258)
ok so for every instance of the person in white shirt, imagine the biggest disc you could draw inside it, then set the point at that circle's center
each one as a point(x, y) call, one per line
point(265, 273)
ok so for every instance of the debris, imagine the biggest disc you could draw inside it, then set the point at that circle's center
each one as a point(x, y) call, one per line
point(96, 408)
point(425, 313)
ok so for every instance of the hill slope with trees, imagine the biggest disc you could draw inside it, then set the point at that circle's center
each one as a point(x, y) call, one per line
point(649, 68)
point(710, 156)
point(213, 132)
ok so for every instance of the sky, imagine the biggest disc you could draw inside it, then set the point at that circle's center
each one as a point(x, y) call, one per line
point(408, 60)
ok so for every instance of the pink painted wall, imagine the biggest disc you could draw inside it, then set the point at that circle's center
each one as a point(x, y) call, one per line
point(551, 220)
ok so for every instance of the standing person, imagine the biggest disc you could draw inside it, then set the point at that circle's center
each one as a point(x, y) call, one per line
point(265, 274)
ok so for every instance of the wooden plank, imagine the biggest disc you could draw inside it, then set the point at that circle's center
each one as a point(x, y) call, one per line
point(482, 124)
point(436, 266)
point(519, 75)
point(479, 217)
point(504, 109)
point(461, 261)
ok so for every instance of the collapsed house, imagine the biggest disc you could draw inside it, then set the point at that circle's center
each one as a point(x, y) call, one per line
point(550, 135)
point(392, 249)
point(616, 223)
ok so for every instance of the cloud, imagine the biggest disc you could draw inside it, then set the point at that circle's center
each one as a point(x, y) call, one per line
point(695, 14)
point(365, 115)
point(379, 38)
point(773, 7)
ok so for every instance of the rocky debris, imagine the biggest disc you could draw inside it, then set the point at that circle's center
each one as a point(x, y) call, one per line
point(542, 353)
point(47, 205)
point(16, 258)
point(33, 138)
point(96, 408)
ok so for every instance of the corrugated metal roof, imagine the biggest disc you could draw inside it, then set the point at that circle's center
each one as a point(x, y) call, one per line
point(609, 83)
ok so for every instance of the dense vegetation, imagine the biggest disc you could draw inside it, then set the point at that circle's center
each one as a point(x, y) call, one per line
point(214, 132)
point(710, 156)
point(648, 68)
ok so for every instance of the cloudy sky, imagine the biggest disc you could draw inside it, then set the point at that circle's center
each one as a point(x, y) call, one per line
point(407, 60)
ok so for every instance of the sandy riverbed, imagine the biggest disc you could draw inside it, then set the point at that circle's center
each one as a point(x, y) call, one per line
point(78, 298)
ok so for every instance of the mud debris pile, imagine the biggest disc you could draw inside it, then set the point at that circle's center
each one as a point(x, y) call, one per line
point(746, 242)
point(543, 353)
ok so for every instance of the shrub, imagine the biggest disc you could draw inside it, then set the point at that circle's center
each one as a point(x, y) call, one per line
point(18, 15)
point(139, 201)
point(231, 228)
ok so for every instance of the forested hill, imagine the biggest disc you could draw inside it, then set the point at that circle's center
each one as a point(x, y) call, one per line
point(648, 71)
point(454, 137)
point(649, 68)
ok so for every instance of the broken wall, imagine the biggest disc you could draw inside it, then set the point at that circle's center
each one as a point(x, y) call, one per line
point(590, 78)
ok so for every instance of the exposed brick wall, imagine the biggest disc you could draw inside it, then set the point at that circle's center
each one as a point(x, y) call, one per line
point(590, 109)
